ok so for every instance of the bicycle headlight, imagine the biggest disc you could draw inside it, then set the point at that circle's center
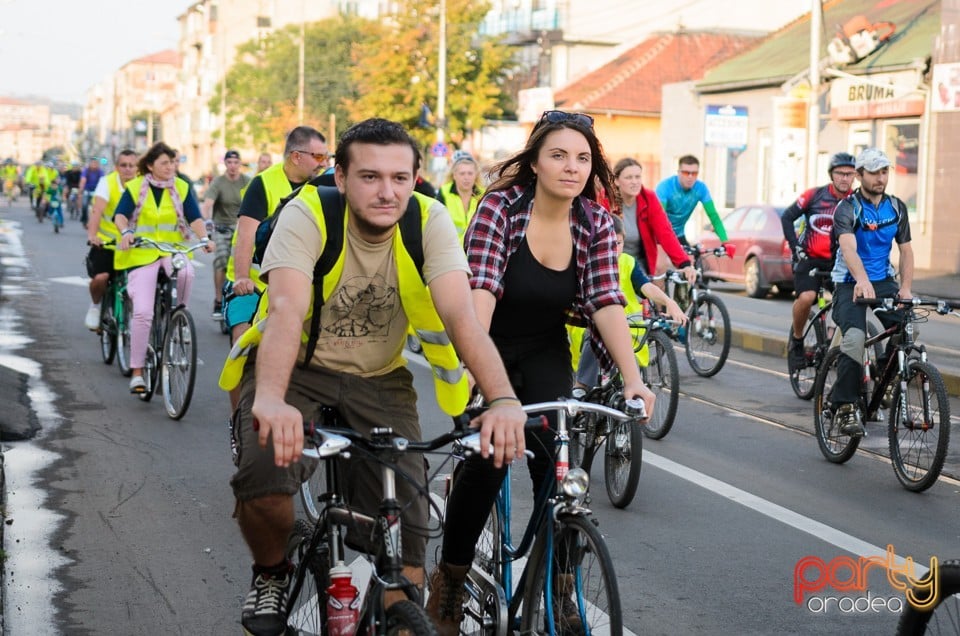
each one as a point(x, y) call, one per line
point(575, 483)
point(179, 261)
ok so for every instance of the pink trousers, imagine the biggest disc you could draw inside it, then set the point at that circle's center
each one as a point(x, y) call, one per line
point(142, 288)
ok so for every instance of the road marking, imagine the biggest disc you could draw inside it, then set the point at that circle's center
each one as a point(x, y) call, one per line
point(80, 281)
point(796, 520)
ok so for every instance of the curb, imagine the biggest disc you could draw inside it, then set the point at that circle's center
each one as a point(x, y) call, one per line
point(776, 346)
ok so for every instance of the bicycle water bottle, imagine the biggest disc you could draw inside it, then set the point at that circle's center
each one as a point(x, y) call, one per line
point(343, 602)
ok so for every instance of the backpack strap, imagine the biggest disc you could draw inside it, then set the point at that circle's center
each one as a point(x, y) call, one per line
point(411, 230)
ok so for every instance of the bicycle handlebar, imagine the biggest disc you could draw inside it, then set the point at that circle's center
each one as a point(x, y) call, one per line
point(699, 250)
point(170, 248)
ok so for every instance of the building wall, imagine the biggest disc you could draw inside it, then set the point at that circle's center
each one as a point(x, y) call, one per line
point(636, 137)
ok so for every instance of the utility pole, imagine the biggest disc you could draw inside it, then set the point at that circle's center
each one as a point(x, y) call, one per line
point(813, 108)
point(442, 73)
point(300, 79)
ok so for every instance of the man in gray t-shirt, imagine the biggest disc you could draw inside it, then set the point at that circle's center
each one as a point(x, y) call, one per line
point(221, 202)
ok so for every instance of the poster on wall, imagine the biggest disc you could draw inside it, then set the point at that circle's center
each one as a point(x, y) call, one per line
point(946, 87)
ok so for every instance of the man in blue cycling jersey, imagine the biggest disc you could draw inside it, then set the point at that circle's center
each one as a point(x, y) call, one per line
point(866, 224)
point(680, 195)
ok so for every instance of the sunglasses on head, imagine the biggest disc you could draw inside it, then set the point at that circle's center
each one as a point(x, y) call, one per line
point(560, 116)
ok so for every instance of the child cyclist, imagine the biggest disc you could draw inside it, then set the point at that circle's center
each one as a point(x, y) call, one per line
point(633, 283)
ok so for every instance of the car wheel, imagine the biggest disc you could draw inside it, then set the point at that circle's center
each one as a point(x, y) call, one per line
point(753, 279)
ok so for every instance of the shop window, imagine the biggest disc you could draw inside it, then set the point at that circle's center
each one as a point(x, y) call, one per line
point(901, 142)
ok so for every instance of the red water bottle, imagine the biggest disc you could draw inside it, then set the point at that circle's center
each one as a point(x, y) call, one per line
point(343, 602)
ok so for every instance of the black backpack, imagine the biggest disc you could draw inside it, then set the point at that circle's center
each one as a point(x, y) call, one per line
point(332, 203)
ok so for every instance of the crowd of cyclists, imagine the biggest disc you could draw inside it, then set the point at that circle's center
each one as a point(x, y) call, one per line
point(463, 268)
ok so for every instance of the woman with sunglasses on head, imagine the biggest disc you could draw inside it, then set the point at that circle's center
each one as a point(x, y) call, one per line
point(543, 253)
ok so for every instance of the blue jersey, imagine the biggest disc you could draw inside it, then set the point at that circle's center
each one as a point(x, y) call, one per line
point(875, 227)
point(678, 203)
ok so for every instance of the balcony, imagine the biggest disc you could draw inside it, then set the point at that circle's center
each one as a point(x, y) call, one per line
point(520, 26)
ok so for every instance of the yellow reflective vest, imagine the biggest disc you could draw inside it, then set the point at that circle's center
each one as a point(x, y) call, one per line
point(155, 222)
point(626, 264)
point(107, 231)
point(454, 204)
point(449, 376)
point(276, 185)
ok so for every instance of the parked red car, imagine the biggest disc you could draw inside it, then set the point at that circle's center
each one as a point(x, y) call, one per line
point(762, 258)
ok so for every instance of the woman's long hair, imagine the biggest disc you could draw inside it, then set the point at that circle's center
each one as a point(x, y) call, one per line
point(518, 169)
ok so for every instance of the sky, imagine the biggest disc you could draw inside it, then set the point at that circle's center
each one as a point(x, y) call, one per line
point(61, 48)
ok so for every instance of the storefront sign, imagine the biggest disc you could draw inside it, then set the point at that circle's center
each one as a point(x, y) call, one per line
point(876, 96)
point(726, 126)
point(946, 87)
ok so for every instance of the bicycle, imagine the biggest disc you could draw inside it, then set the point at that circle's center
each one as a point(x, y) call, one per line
point(622, 441)
point(73, 203)
point(317, 543)
point(944, 616)
point(561, 538)
point(171, 360)
point(55, 212)
point(115, 311)
point(706, 338)
point(661, 373)
point(817, 335)
point(909, 386)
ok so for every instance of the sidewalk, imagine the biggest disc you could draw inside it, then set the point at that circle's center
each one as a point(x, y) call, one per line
point(927, 283)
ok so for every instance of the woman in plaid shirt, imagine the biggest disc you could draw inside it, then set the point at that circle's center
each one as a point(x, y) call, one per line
point(543, 253)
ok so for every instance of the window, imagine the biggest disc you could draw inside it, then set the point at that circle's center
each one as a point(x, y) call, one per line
point(901, 142)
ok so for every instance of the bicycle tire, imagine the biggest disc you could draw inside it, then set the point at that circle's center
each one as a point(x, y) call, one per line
point(815, 343)
point(662, 376)
point(919, 430)
point(583, 435)
point(578, 545)
point(406, 617)
point(108, 331)
point(708, 339)
point(307, 606)
point(835, 446)
point(312, 488)
point(178, 372)
point(150, 374)
point(123, 337)
point(944, 616)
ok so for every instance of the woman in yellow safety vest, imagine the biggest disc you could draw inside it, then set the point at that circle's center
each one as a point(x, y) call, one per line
point(159, 206)
point(462, 194)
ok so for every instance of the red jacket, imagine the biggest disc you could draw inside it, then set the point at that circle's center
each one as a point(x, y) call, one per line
point(655, 229)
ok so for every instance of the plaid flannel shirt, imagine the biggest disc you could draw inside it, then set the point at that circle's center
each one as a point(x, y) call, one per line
point(493, 236)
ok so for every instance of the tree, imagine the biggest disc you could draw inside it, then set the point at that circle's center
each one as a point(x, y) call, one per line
point(396, 70)
point(262, 87)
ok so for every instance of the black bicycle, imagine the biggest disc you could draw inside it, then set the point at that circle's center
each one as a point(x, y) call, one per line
point(909, 386)
point(706, 337)
point(943, 616)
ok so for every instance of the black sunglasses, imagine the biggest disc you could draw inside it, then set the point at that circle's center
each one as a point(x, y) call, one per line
point(560, 116)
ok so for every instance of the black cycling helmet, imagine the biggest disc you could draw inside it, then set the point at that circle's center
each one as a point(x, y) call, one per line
point(841, 159)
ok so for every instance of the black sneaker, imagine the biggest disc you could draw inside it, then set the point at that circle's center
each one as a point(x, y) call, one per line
point(217, 310)
point(796, 355)
point(264, 609)
point(848, 420)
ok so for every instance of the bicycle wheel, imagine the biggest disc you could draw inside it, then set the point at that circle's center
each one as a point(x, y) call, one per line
point(307, 606)
point(108, 330)
point(919, 430)
point(942, 618)
point(622, 460)
point(311, 489)
point(150, 373)
point(708, 335)
point(179, 369)
point(834, 445)
point(406, 617)
point(582, 441)
point(123, 337)
point(803, 378)
point(663, 377)
point(583, 585)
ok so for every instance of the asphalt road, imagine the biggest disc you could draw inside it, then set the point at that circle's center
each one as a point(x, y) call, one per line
point(119, 519)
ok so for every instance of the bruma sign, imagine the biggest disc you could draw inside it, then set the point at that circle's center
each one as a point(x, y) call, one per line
point(879, 95)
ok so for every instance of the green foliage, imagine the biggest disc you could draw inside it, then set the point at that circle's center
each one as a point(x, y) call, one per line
point(396, 69)
point(262, 87)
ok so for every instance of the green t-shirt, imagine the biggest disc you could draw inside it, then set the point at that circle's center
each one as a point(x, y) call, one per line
point(226, 197)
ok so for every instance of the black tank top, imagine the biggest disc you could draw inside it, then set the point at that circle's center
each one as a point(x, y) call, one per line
point(534, 298)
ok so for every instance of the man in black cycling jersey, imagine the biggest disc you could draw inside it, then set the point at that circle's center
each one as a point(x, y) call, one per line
point(866, 224)
point(813, 249)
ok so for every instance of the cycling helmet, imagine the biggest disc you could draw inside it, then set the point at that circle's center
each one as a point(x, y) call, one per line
point(841, 159)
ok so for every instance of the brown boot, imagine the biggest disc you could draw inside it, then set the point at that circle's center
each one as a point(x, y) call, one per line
point(445, 603)
point(565, 610)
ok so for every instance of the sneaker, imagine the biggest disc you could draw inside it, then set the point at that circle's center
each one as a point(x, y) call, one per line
point(796, 356)
point(137, 384)
point(264, 608)
point(92, 320)
point(565, 609)
point(848, 420)
point(447, 593)
point(217, 313)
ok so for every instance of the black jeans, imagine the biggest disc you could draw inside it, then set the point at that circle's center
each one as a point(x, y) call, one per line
point(540, 370)
point(851, 319)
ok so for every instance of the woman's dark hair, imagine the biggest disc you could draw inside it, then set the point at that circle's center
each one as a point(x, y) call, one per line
point(380, 132)
point(623, 164)
point(518, 169)
point(153, 153)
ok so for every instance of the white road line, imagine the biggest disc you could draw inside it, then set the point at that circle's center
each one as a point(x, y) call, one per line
point(819, 530)
point(80, 281)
